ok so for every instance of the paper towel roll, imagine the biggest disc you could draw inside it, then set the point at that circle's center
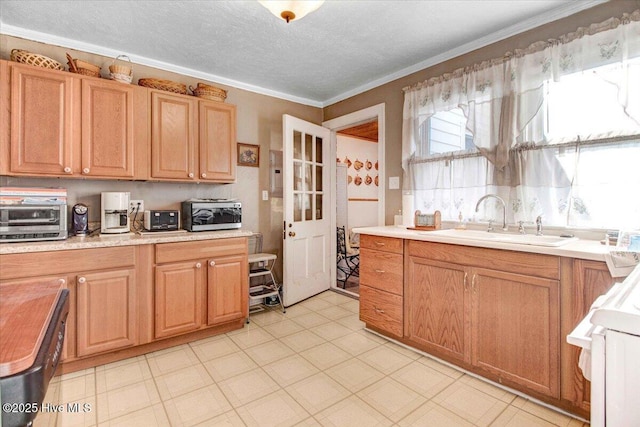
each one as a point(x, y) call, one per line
point(408, 210)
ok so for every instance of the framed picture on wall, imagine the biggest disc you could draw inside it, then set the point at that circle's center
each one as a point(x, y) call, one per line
point(248, 154)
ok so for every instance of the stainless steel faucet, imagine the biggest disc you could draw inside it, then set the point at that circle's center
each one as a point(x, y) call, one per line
point(504, 210)
point(539, 226)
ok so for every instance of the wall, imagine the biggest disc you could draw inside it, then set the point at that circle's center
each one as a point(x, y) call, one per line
point(392, 95)
point(364, 211)
point(259, 121)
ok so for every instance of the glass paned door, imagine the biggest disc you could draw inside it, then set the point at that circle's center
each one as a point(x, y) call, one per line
point(306, 231)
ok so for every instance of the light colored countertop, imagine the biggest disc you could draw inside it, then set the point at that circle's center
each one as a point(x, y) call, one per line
point(103, 241)
point(581, 248)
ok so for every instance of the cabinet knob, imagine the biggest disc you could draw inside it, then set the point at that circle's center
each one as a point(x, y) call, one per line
point(62, 281)
point(204, 175)
point(198, 265)
point(67, 170)
point(82, 279)
point(380, 271)
point(85, 170)
point(190, 174)
point(378, 310)
point(380, 243)
point(212, 263)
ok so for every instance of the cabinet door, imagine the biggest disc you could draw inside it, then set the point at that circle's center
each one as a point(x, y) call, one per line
point(228, 289)
point(217, 141)
point(516, 329)
point(437, 307)
point(5, 135)
point(45, 119)
point(106, 311)
point(590, 280)
point(108, 129)
point(173, 138)
point(178, 298)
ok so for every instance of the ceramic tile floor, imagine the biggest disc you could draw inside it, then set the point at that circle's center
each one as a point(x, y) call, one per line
point(315, 365)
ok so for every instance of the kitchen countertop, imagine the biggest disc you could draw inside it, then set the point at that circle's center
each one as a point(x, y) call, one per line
point(581, 248)
point(102, 241)
point(25, 313)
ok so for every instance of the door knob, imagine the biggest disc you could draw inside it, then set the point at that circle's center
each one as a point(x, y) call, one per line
point(292, 234)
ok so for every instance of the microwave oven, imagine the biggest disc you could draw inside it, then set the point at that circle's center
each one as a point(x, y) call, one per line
point(211, 214)
point(28, 223)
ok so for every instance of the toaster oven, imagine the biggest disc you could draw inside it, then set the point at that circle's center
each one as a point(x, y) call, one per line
point(25, 223)
point(211, 214)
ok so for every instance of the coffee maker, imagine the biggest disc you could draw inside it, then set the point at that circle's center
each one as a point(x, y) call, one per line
point(114, 217)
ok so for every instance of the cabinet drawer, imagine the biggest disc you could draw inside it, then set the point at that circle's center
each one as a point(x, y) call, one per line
point(202, 249)
point(381, 310)
point(68, 261)
point(386, 244)
point(381, 270)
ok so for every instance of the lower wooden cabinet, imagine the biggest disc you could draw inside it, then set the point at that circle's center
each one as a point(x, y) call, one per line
point(382, 310)
point(121, 299)
point(106, 311)
point(178, 298)
point(209, 290)
point(515, 329)
point(438, 307)
point(227, 289)
point(381, 283)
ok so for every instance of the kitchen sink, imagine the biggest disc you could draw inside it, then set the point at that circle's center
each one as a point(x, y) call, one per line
point(520, 239)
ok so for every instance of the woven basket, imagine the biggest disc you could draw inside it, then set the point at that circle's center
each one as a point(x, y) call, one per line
point(167, 85)
point(209, 92)
point(120, 72)
point(25, 57)
point(79, 66)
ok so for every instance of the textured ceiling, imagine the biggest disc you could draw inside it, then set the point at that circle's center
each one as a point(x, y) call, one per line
point(339, 50)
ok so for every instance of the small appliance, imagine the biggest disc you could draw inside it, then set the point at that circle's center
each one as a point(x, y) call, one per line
point(155, 220)
point(114, 216)
point(28, 223)
point(211, 214)
point(79, 220)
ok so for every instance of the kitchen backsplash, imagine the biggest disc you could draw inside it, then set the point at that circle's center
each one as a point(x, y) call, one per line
point(156, 195)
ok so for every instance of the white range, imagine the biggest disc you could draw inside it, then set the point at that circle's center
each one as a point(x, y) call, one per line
point(610, 338)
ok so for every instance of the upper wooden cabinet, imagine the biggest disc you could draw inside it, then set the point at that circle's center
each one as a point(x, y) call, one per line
point(114, 131)
point(217, 141)
point(45, 122)
point(65, 125)
point(191, 139)
point(173, 147)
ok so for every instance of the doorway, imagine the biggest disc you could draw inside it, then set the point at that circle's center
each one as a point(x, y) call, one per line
point(358, 142)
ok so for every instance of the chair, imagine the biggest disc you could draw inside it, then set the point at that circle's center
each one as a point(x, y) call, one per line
point(348, 259)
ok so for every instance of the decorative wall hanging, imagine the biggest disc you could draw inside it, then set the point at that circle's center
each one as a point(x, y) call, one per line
point(248, 155)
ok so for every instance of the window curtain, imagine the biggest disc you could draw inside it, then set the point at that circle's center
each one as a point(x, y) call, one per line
point(504, 102)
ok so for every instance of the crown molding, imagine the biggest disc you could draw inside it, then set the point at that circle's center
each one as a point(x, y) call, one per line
point(553, 15)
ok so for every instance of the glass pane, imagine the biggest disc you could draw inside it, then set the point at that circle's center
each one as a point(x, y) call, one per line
point(297, 145)
point(318, 178)
point(307, 177)
point(308, 209)
point(308, 146)
point(318, 149)
point(297, 177)
point(318, 206)
point(297, 207)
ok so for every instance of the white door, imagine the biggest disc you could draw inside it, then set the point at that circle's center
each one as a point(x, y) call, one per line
point(307, 260)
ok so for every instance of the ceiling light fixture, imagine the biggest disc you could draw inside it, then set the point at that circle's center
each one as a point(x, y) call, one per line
point(290, 10)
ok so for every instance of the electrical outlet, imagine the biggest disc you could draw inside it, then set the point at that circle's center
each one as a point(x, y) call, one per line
point(133, 205)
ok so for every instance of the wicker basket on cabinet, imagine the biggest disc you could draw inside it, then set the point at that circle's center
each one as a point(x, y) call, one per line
point(24, 57)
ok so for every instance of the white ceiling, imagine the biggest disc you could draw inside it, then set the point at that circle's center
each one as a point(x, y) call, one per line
point(342, 49)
